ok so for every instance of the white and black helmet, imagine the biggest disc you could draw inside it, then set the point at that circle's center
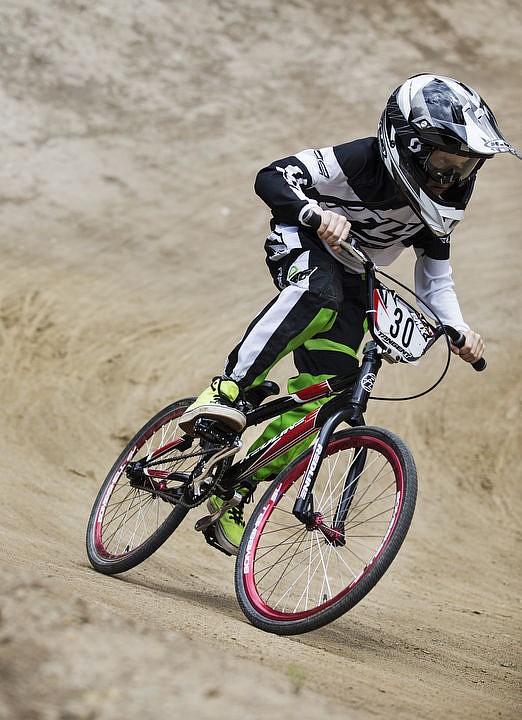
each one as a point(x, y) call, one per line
point(430, 113)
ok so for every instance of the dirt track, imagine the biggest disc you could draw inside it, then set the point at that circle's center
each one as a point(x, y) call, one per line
point(131, 248)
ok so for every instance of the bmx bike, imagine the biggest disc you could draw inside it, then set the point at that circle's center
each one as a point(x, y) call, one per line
point(327, 527)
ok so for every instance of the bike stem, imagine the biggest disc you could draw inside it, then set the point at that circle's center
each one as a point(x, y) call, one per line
point(370, 366)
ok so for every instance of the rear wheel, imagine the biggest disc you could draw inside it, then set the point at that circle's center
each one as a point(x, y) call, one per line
point(293, 577)
point(137, 507)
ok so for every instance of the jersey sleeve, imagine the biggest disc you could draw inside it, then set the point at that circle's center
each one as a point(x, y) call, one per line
point(287, 186)
point(425, 243)
point(434, 285)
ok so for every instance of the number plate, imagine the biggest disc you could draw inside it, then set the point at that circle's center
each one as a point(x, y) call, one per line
point(400, 328)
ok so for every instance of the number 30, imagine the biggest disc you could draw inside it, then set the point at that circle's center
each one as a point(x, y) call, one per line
point(407, 330)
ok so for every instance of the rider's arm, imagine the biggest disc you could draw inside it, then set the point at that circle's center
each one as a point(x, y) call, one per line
point(281, 186)
point(434, 284)
point(292, 186)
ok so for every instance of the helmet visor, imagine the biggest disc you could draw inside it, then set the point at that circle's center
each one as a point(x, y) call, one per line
point(446, 168)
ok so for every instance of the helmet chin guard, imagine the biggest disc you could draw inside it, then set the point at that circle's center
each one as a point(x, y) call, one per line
point(430, 112)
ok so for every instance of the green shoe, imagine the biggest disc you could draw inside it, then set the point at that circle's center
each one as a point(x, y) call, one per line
point(229, 528)
point(216, 402)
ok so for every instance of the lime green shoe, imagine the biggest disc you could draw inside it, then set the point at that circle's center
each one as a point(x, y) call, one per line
point(228, 530)
point(218, 403)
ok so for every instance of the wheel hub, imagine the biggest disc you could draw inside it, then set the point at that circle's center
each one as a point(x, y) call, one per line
point(333, 535)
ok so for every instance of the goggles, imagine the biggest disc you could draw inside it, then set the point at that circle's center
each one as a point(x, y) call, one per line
point(447, 168)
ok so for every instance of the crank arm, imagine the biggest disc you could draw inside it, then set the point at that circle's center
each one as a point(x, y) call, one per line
point(211, 463)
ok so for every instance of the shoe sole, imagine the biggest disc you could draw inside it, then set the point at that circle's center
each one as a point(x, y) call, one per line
point(232, 418)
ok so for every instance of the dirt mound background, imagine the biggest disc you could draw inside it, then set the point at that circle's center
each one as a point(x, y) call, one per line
point(131, 250)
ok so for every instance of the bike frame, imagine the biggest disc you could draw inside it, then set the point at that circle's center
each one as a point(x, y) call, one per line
point(352, 391)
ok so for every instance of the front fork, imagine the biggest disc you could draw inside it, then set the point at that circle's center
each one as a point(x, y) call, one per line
point(353, 414)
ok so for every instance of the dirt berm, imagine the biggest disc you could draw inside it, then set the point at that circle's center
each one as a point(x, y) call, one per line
point(132, 259)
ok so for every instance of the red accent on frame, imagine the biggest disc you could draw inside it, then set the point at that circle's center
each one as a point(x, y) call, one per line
point(314, 392)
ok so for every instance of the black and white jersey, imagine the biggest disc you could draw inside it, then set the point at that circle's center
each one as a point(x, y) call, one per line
point(352, 180)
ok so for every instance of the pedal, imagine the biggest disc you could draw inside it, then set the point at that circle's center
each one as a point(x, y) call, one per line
point(205, 522)
point(213, 431)
point(211, 539)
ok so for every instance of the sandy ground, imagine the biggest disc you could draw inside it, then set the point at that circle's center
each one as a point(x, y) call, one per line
point(131, 255)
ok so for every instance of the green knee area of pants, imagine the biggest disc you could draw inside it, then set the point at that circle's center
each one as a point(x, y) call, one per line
point(285, 421)
point(321, 323)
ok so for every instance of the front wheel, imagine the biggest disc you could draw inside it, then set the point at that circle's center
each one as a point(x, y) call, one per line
point(293, 577)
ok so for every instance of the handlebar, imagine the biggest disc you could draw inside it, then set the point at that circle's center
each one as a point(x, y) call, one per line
point(313, 220)
point(458, 339)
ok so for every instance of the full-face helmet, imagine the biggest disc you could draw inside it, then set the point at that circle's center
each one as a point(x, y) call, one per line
point(434, 135)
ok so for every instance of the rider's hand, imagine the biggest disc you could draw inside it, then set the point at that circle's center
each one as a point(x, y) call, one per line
point(473, 348)
point(333, 228)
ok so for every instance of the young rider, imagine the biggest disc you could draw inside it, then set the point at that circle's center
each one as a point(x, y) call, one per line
point(406, 188)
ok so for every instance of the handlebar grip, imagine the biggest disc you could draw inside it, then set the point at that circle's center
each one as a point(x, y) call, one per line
point(311, 219)
point(458, 339)
point(479, 365)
